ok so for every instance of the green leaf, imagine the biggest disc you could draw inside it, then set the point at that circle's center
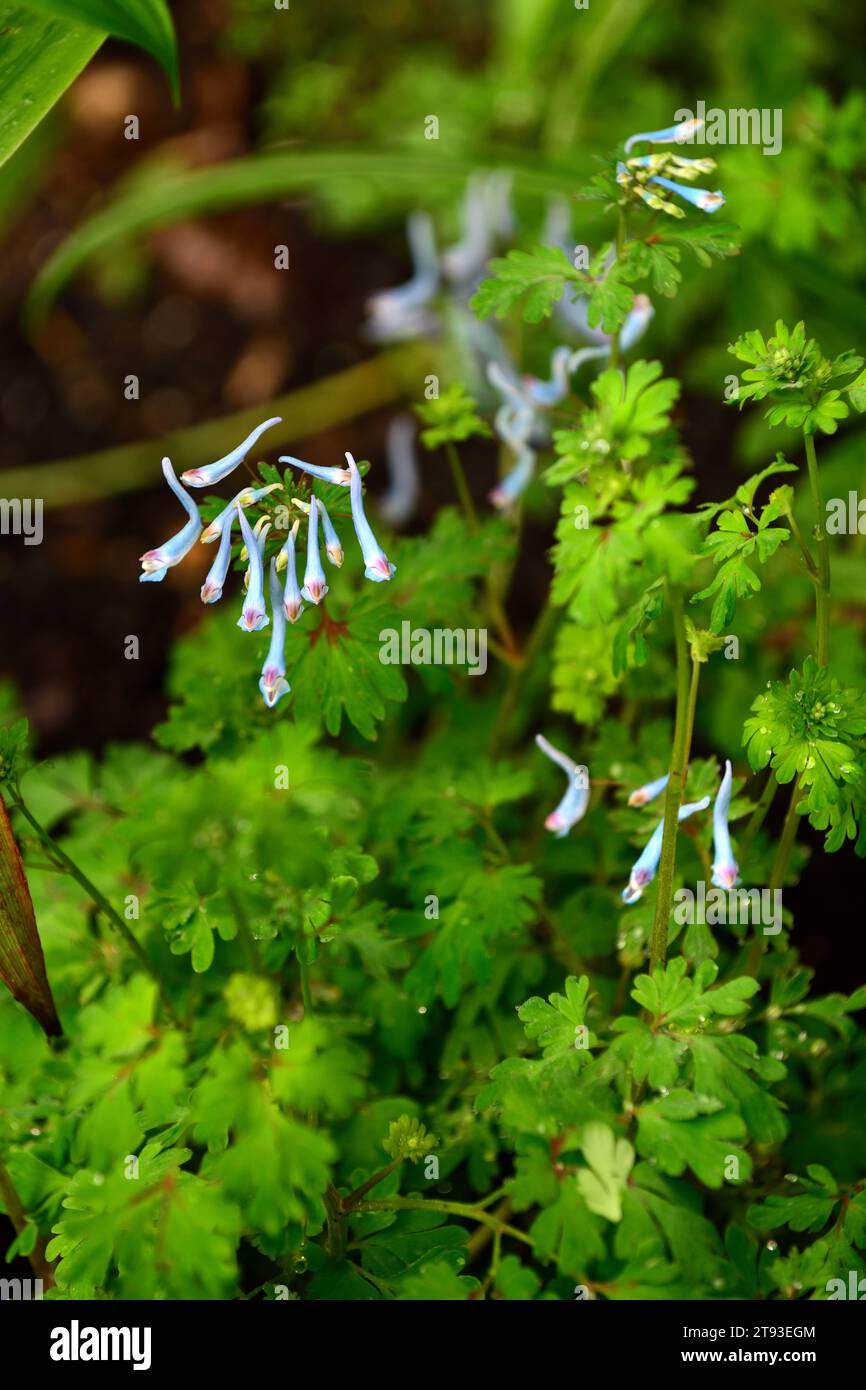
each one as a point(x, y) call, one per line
point(610, 1161)
point(541, 275)
point(39, 58)
point(145, 23)
point(450, 418)
point(680, 1131)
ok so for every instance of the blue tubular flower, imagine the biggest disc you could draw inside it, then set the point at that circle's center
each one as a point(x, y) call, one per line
point(547, 393)
point(377, 565)
point(572, 807)
point(315, 584)
point(212, 588)
point(637, 322)
point(253, 614)
point(404, 477)
point(333, 548)
point(401, 312)
point(515, 483)
point(726, 872)
point(245, 498)
point(213, 472)
point(671, 135)
point(644, 869)
point(155, 563)
point(341, 476)
point(273, 681)
point(292, 605)
point(585, 354)
point(649, 791)
point(469, 257)
point(699, 197)
point(486, 214)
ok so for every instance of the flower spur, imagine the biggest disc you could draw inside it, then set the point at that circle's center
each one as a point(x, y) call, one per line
point(273, 683)
point(377, 565)
point(253, 614)
point(215, 472)
point(644, 869)
point(725, 868)
point(572, 807)
point(156, 563)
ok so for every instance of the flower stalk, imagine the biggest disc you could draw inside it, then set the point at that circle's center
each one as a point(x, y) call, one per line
point(688, 675)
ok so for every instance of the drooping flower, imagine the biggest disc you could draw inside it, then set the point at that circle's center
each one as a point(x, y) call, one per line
point(341, 476)
point(253, 614)
point(514, 422)
point(273, 683)
point(292, 605)
point(586, 354)
point(551, 392)
point(212, 588)
point(333, 548)
point(245, 498)
point(671, 135)
point(377, 565)
point(315, 584)
point(402, 313)
point(644, 174)
point(644, 869)
point(572, 807)
point(726, 872)
point(637, 322)
point(486, 215)
point(404, 477)
point(510, 488)
point(649, 791)
point(155, 563)
point(214, 472)
point(699, 197)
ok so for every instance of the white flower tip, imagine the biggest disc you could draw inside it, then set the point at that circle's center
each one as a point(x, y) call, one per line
point(689, 128)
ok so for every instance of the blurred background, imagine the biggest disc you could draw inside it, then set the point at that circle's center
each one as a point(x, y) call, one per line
point(308, 128)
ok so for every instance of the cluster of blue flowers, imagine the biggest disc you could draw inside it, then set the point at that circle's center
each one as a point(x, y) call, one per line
point(573, 807)
point(417, 308)
point(286, 600)
point(644, 174)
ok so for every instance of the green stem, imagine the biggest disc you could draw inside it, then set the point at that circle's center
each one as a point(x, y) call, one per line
point(758, 816)
point(687, 694)
point(786, 841)
point(461, 486)
point(464, 1209)
point(306, 994)
point(346, 1203)
point(247, 940)
point(613, 361)
point(101, 902)
point(778, 871)
point(18, 1216)
point(822, 587)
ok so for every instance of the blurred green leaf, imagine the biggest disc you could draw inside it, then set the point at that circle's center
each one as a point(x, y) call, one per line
point(146, 23)
point(39, 58)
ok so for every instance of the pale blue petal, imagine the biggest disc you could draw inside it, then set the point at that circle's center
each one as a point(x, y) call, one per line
point(214, 472)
